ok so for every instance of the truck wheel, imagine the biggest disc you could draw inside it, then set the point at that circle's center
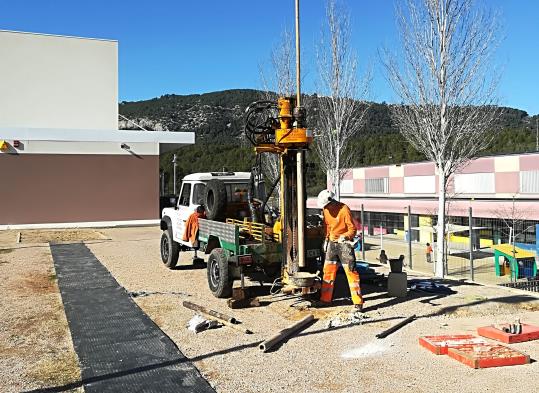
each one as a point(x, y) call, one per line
point(218, 279)
point(215, 200)
point(170, 250)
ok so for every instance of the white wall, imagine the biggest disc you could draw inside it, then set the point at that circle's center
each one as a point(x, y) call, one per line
point(58, 82)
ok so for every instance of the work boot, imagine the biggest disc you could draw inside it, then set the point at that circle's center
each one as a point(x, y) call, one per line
point(358, 308)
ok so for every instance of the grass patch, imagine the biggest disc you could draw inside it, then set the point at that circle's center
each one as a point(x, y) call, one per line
point(61, 369)
point(60, 236)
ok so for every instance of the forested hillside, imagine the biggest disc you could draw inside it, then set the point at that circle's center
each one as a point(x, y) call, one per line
point(217, 120)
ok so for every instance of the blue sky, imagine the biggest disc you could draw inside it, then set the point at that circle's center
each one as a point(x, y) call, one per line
point(187, 46)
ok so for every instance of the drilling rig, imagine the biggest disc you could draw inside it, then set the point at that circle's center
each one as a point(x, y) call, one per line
point(280, 128)
point(242, 238)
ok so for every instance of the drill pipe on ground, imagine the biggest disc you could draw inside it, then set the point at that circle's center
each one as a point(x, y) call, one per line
point(395, 327)
point(207, 311)
point(285, 333)
point(231, 325)
point(223, 319)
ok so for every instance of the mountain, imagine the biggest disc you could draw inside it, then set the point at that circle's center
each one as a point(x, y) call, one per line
point(217, 120)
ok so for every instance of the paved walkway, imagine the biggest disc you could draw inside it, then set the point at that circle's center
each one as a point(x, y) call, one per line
point(120, 349)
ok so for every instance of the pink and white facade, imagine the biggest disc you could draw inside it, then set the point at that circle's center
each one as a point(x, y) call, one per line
point(492, 186)
point(486, 184)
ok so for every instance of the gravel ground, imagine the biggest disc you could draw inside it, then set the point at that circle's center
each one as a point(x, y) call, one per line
point(36, 350)
point(340, 359)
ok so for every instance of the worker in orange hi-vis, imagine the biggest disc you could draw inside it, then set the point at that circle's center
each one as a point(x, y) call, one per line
point(340, 232)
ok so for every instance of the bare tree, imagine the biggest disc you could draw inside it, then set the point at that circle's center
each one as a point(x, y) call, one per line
point(446, 90)
point(279, 81)
point(513, 218)
point(341, 113)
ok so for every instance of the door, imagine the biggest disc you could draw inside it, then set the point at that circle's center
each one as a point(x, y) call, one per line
point(184, 211)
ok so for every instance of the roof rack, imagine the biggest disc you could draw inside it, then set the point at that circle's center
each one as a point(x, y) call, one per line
point(222, 173)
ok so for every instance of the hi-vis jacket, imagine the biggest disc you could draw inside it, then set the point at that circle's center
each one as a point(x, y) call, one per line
point(338, 221)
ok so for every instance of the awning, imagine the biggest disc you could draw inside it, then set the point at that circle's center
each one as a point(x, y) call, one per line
point(520, 253)
point(451, 228)
point(167, 140)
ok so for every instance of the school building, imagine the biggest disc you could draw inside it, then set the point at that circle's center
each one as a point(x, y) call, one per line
point(499, 190)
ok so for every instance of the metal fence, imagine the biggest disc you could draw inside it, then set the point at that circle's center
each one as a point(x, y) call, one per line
point(488, 256)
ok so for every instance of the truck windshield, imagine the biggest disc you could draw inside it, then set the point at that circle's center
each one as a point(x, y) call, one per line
point(199, 194)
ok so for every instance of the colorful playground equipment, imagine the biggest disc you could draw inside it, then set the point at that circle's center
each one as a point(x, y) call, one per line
point(515, 261)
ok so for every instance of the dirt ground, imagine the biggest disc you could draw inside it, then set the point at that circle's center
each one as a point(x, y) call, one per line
point(341, 359)
point(36, 350)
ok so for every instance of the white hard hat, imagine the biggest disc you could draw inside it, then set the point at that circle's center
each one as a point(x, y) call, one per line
point(324, 197)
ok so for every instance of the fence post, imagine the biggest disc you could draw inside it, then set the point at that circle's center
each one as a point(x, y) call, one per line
point(470, 219)
point(409, 237)
point(363, 233)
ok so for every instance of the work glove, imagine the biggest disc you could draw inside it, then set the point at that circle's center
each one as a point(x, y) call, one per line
point(342, 239)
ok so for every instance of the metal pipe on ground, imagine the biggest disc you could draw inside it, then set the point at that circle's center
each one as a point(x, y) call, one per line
point(395, 327)
point(217, 316)
point(231, 325)
point(213, 313)
point(285, 333)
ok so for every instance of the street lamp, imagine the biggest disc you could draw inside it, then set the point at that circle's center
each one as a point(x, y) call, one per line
point(175, 164)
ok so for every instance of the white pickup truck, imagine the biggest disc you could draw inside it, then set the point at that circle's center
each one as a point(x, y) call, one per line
point(236, 247)
point(224, 195)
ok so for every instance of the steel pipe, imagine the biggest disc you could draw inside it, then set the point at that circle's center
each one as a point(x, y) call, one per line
point(301, 208)
point(298, 59)
point(395, 327)
point(213, 313)
point(285, 333)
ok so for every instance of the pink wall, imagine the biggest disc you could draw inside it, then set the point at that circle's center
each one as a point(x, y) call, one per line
point(419, 169)
point(396, 185)
point(379, 171)
point(479, 165)
point(507, 182)
point(359, 186)
point(529, 162)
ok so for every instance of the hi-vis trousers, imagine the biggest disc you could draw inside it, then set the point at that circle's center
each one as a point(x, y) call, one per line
point(345, 254)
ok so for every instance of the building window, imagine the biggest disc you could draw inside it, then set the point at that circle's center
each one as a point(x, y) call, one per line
point(377, 186)
point(419, 184)
point(474, 183)
point(529, 182)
